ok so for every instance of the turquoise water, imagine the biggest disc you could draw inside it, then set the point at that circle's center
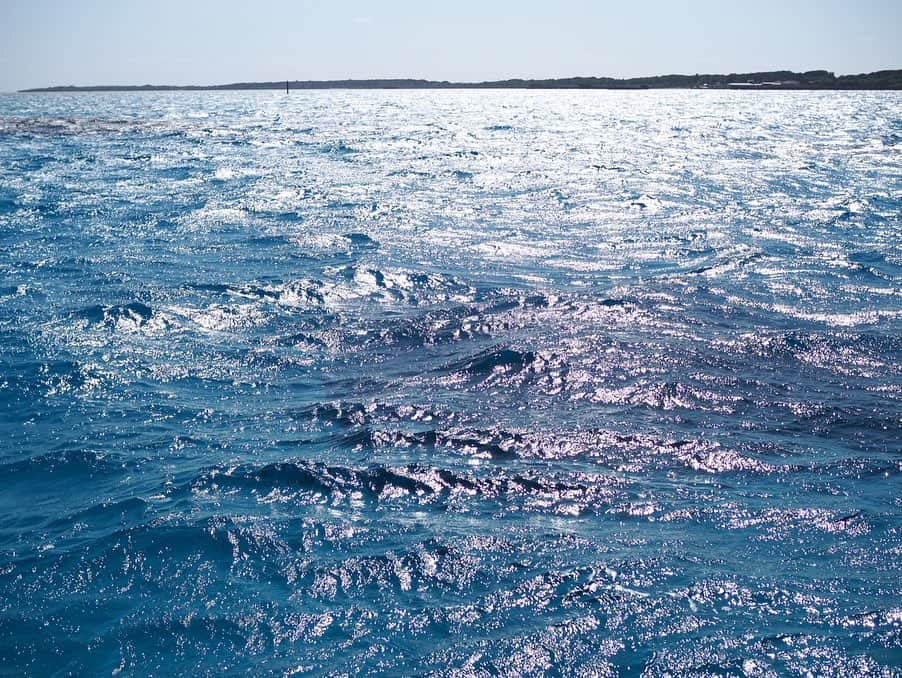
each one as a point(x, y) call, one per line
point(451, 383)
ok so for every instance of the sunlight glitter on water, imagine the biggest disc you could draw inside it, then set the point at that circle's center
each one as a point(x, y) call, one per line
point(434, 382)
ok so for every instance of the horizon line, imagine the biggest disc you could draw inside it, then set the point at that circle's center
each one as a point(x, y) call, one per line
point(811, 79)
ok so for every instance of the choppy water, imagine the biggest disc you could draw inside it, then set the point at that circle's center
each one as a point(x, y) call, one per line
point(470, 383)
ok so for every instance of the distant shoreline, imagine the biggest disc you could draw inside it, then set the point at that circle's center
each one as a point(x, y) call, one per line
point(771, 80)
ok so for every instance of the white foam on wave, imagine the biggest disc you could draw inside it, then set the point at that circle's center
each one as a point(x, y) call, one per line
point(850, 319)
point(220, 318)
point(228, 173)
point(212, 215)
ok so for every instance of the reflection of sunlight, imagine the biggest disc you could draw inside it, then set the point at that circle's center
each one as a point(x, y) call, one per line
point(449, 381)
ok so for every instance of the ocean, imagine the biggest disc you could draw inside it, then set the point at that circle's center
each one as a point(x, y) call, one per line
point(452, 383)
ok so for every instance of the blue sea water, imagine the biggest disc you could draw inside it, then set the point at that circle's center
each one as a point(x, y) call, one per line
point(451, 383)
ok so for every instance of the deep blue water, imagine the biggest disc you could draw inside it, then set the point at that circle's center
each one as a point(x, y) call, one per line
point(452, 383)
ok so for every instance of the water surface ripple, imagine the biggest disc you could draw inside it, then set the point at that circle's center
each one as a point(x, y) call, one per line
point(451, 383)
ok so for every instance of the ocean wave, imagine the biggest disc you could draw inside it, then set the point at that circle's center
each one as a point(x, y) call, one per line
point(452, 383)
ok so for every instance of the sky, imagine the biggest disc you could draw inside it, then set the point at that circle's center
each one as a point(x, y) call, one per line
point(182, 42)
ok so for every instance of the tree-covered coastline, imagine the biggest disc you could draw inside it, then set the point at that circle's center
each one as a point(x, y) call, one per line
point(770, 80)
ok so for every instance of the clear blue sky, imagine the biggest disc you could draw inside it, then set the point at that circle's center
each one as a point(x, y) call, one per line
point(61, 42)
